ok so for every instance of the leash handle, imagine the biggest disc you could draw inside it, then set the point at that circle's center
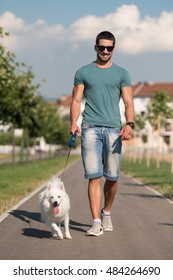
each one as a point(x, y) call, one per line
point(72, 139)
point(70, 144)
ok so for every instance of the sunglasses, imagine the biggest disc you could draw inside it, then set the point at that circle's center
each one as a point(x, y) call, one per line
point(102, 48)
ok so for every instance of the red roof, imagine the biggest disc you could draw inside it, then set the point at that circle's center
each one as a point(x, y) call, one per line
point(149, 89)
point(64, 101)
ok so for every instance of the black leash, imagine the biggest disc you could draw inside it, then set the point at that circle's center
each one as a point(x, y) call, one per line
point(70, 145)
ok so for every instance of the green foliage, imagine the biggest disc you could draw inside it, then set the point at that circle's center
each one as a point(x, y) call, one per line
point(16, 89)
point(7, 73)
point(6, 138)
point(158, 109)
point(140, 122)
point(20, 104)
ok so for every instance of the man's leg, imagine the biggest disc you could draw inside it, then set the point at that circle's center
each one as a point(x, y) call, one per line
point(95, 197)
point(112, 155)
point(110, 189)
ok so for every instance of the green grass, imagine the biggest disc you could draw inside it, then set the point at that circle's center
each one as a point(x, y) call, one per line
point(17, 182)
point(161, 179)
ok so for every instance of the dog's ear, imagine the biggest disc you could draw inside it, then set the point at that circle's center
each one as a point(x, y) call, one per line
point(49, 186)
point(62, 186)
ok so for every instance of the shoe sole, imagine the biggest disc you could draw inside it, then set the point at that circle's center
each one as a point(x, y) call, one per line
point(94, 234)
point(107, 229)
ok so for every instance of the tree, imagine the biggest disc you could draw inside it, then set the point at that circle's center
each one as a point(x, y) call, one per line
point(18, 100)
point(56, 129)
point(140, 120)
point(7, 82)
point(159, 110)
point(22, 107)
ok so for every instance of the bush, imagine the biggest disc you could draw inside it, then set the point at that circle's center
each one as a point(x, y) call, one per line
point(6, 138)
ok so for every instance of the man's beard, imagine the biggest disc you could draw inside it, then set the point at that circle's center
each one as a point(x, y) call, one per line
point(104, 60)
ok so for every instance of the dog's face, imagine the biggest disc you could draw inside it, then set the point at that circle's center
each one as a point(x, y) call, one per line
point(55, 194)
point(55, 197)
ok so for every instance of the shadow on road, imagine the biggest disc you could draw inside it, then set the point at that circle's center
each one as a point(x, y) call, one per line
point(77, 226)
point(143, 195)
point(166, 224)
point(37, 233)
point(28, 217)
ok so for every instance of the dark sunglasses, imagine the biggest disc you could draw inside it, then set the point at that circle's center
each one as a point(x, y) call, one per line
point(102, 48)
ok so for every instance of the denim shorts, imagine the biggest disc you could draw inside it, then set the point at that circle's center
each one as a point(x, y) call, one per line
point(101, 151)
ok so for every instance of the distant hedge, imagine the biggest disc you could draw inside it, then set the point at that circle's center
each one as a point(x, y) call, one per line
point(6, 138)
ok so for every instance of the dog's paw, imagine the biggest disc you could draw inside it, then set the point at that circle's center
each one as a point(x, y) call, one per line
point(68, 236)
point(57, 235)
point(60, 236)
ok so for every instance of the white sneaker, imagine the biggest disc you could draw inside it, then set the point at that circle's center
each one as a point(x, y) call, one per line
point(106, 222)
point(95, 230)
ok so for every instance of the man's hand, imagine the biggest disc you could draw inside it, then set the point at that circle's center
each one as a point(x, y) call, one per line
point(75, 128)
point(126, 132)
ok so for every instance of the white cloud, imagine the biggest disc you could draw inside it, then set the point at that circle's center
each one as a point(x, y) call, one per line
point(10, 22)
point(23, 36)
point(134, 34)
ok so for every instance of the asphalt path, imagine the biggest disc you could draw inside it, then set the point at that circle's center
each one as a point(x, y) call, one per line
point(142, 219)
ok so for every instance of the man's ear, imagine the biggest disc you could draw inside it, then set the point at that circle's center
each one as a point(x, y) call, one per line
point(95, 48)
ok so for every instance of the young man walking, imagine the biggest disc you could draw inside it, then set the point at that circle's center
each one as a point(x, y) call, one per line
point(102, 83)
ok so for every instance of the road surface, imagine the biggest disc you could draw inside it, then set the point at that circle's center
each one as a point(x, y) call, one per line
point(142, 219)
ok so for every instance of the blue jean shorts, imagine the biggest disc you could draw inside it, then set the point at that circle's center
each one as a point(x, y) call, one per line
point(101, 152)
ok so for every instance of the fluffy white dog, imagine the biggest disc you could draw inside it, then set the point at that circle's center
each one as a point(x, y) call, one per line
point(55, 205)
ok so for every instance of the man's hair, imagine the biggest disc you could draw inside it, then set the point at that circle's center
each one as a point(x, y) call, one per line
point(105, 35)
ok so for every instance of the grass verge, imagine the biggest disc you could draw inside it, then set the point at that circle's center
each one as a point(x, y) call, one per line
point(17, 182)
point(160, 179)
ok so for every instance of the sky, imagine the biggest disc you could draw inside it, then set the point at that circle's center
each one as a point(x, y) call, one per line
point(57, 37)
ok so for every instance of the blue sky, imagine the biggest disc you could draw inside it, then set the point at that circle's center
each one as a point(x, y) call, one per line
point(57, 37)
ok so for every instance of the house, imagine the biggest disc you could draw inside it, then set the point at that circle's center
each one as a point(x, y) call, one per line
point(143, 93)
point(63, 104)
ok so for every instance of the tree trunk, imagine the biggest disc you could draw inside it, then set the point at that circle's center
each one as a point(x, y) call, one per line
point(22, 149)
point(13, 150)
point(27, 144)
point(158, 147)
point(149, 149)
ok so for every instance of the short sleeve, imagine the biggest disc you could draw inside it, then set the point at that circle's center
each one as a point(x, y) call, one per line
point(78, 78)
point(126, 80)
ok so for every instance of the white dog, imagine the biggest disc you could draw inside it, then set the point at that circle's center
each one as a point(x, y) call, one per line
point(55, 206)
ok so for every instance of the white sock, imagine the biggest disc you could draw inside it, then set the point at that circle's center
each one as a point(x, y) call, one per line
point(106, 213)
point(97, 221)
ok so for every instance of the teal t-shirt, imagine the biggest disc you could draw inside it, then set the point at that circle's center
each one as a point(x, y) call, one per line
point(102, 93)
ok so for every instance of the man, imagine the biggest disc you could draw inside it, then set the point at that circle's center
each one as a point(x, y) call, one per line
point(102, 83)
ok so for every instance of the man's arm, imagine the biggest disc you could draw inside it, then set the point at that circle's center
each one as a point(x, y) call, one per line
point(127, 95)
point(78, 91)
